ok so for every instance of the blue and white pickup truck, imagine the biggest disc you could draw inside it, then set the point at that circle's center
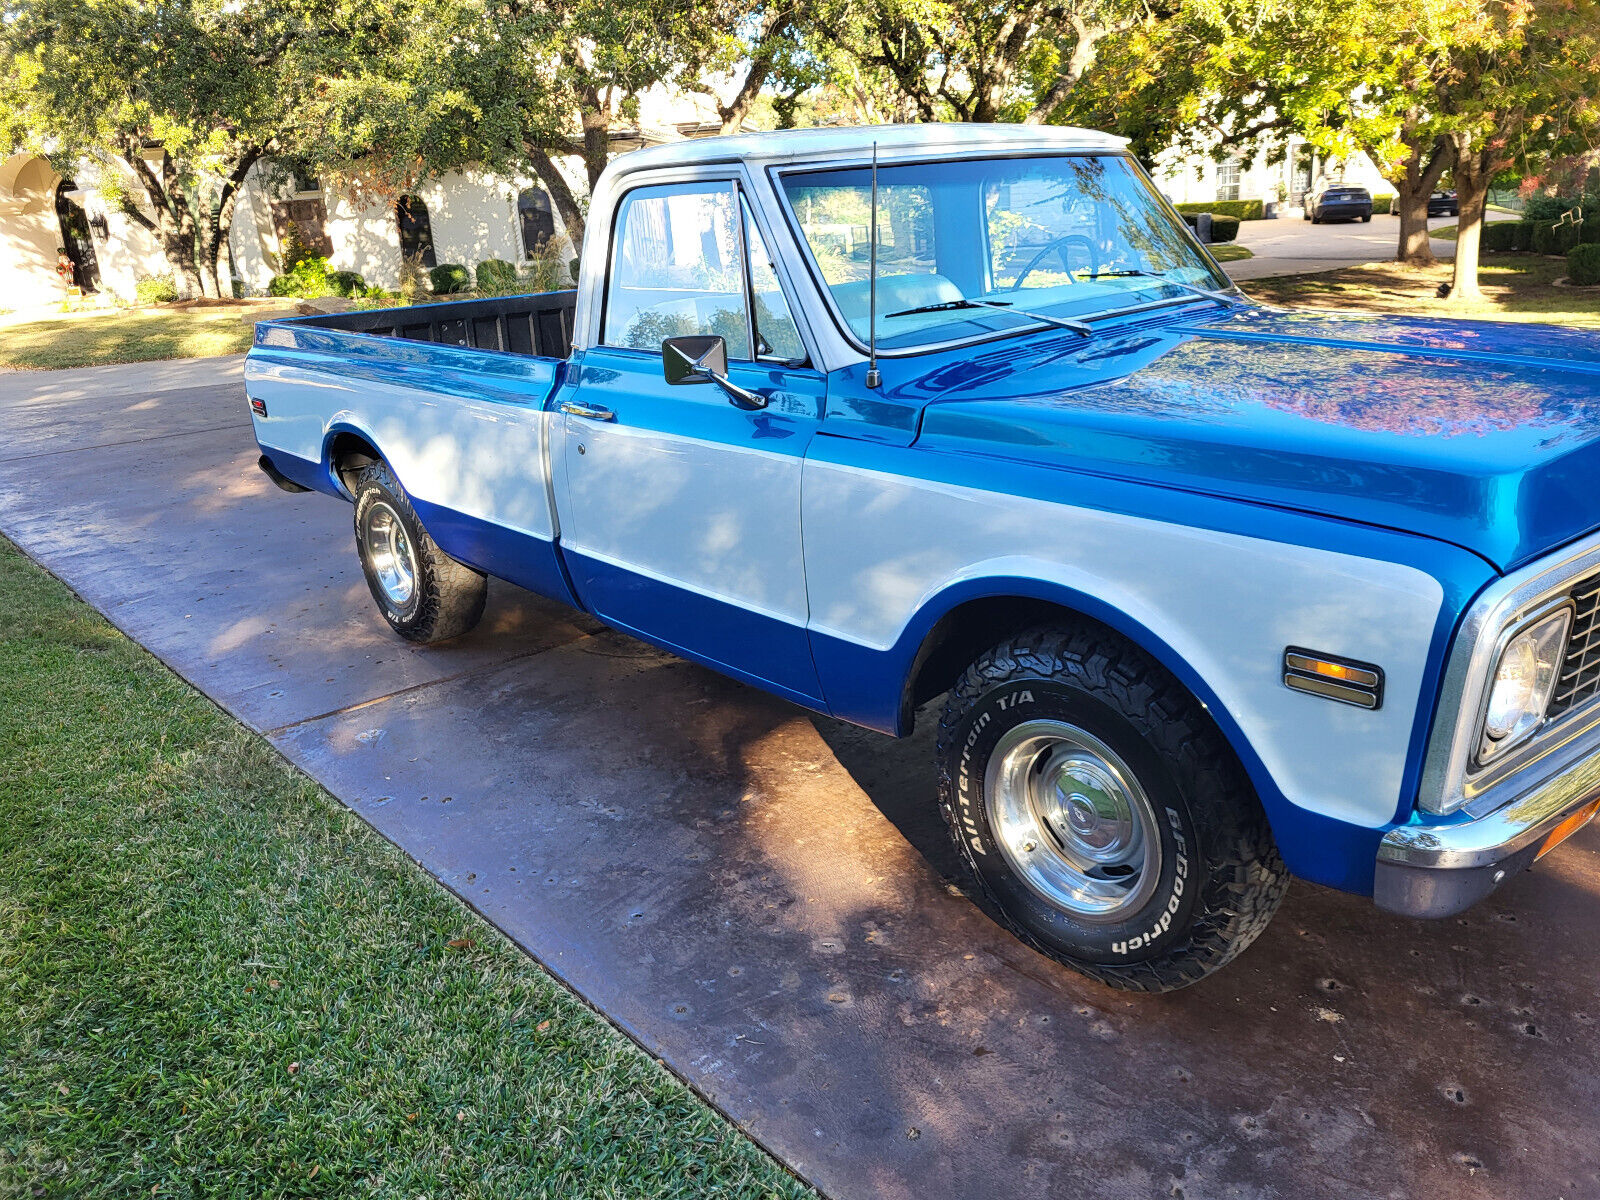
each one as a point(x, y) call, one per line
point(1216, 593)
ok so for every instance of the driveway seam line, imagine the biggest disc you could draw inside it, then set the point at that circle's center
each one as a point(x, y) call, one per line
point(157, 437)
point(417, 687)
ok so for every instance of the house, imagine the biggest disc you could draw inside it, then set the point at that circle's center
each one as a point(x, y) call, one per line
point(60, 237)
point(1266, 170)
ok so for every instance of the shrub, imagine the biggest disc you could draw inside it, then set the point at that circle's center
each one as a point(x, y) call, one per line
point(1384, 202)
point(1554, 237)
point(1224, 229)
point(154, 291)
point(1589, 231)
point(449, 278)
point(1583, 264)
point(1550, 208)
point(496, 275)
point(1524, 236)
point(346, 283)
point(1245, 210)
point(1501, 235)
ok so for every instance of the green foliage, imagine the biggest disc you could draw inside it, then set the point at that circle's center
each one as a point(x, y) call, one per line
point(1224, 229)
point(1245, 210)
point(1554, 237)
point(1383, 202)
point(1583, 264)
point(449, 278)
point(310, 278)
point(1550, 208)
point(495, 276)
point(1524, 236)
point(154, 291)
point(1501, 236)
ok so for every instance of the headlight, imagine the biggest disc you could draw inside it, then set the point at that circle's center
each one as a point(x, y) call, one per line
point(1523, 680)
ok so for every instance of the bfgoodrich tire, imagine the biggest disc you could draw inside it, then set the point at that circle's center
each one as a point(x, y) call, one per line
point(1102, 813)
point(424, 594)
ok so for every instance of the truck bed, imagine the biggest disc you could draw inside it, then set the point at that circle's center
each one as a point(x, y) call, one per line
point(539, 324)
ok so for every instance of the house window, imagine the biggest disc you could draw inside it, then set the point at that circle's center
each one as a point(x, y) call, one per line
point(416, 230)
point(537, 220)
point(1228, 180)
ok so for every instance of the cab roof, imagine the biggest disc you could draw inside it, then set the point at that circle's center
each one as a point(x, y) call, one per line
point(893, 141)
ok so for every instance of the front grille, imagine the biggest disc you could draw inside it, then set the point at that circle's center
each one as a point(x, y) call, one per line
point(1579, 681)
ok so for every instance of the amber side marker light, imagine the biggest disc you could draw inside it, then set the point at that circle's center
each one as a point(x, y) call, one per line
point(1568, 827)
point(1333, 678)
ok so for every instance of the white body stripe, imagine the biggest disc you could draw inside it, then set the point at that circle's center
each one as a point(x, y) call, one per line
point(879, 546)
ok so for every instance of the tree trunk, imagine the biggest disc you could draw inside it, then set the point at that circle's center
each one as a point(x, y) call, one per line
point(596, 136)
point(1473, 172)
point(1414, 180)
point(561, 193)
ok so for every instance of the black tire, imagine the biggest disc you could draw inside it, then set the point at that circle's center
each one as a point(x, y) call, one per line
point(446, 597)
point(1220, 878)
point(1366, 218)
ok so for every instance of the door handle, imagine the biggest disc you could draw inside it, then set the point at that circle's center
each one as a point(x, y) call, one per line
point(594, 412)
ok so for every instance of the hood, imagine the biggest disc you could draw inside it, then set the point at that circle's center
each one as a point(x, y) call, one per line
point(1483, 434)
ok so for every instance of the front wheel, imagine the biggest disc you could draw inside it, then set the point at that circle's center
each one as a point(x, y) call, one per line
point(1366, 218)
point(424, 594)
point(1102, 813)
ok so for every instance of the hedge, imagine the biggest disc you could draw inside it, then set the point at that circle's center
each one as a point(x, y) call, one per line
point(448, 278)
point(496, 275)
point(1583, 264)
point(1589, 231)
point(1525, 235)
point(1383, 202)
point(1554, 237)
point(1245, 210)
point(1223, 229)
point(1502, 236)
point(154, 291)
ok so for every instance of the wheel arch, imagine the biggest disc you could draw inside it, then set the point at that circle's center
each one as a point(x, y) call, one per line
point(346, 448)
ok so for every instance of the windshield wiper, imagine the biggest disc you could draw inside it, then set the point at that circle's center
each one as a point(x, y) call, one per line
point(1079, 327)
point(1208, 293)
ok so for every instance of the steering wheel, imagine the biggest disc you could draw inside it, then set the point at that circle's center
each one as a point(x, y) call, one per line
point(1059, 245)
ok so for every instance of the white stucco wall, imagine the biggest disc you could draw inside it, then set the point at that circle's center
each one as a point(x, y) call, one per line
point(30, 234)
point(1193, 178)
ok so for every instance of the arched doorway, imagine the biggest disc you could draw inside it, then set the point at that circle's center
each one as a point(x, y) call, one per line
point(416, 230)
point(76, 238)
point(536, 218)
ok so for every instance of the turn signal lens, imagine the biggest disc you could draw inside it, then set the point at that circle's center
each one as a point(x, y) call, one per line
point(1523, 681)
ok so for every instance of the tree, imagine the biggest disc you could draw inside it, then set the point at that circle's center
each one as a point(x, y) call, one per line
point(1520, 88)
point(183, 99)
point(984, 61)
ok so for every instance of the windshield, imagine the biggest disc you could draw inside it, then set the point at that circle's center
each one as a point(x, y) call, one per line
point(961, 241)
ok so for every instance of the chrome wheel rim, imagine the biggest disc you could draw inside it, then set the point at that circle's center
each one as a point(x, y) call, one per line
point(394, 565)
point(1072, 821)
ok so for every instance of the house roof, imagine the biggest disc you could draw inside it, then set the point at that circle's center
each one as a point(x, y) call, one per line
point(893, 141)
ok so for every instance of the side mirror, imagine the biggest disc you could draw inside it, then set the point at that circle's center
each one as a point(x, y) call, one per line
point(703, 358)
point(694, 358)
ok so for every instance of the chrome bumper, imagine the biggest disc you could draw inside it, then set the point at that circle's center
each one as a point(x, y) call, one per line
point(1439, 870)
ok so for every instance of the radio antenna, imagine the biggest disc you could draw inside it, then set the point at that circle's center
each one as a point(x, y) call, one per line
point(873, 378)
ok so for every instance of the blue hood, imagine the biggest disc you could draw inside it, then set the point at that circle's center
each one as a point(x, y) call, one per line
point(1483, 434)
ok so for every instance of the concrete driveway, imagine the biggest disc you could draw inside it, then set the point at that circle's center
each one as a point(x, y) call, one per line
point(763, 899)
point(1292, 245)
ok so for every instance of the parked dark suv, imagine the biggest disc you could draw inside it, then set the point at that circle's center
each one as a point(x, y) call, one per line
point(1444, 204)
point(1339, 203)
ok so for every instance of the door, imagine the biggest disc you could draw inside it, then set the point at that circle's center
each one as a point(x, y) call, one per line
point(682, 513)
point(77, 239)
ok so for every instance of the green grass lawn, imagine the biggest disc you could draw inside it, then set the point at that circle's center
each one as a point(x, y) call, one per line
point(86, 339)
point(1230, 252)
point(216, 981)
point(1516, 287)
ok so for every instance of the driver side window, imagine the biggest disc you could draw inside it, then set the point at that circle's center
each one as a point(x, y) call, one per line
point(677, 268)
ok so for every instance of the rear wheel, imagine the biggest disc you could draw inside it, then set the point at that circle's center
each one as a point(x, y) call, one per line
point(1102, 813)
point(424, 594)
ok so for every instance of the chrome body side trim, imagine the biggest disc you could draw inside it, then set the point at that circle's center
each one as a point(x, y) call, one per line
point(1448, 782)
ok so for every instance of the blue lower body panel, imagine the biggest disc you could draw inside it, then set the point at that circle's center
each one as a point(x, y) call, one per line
point(750, 646)
point(520, 558)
